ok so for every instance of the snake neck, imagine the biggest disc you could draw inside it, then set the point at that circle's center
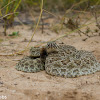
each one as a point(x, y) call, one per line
point(51, 47)
point(43, 54)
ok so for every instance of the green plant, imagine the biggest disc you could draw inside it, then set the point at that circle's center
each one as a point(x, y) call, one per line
point(63, 5)
point(14, 34)
point(8, 12)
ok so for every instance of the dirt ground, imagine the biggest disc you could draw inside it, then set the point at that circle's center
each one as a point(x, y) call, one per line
point(17, 85)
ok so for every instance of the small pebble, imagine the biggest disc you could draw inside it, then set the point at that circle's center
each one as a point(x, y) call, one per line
point(28, 77)
point(13, 91)
point(1, 82)
point(1, 90)
point(48, 92)
point(15, 84)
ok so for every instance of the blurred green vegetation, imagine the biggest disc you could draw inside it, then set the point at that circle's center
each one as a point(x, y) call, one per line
point(60, 5)
point(7, 12)
point(51, 5)
point(14, 34)
point(8, 8)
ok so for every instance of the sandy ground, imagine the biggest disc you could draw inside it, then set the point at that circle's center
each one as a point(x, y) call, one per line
point(16, 85)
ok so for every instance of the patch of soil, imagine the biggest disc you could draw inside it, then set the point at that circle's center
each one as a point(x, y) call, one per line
point(18, 85)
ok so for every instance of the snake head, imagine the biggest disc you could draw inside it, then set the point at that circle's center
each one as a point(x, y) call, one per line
point(51, 47)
